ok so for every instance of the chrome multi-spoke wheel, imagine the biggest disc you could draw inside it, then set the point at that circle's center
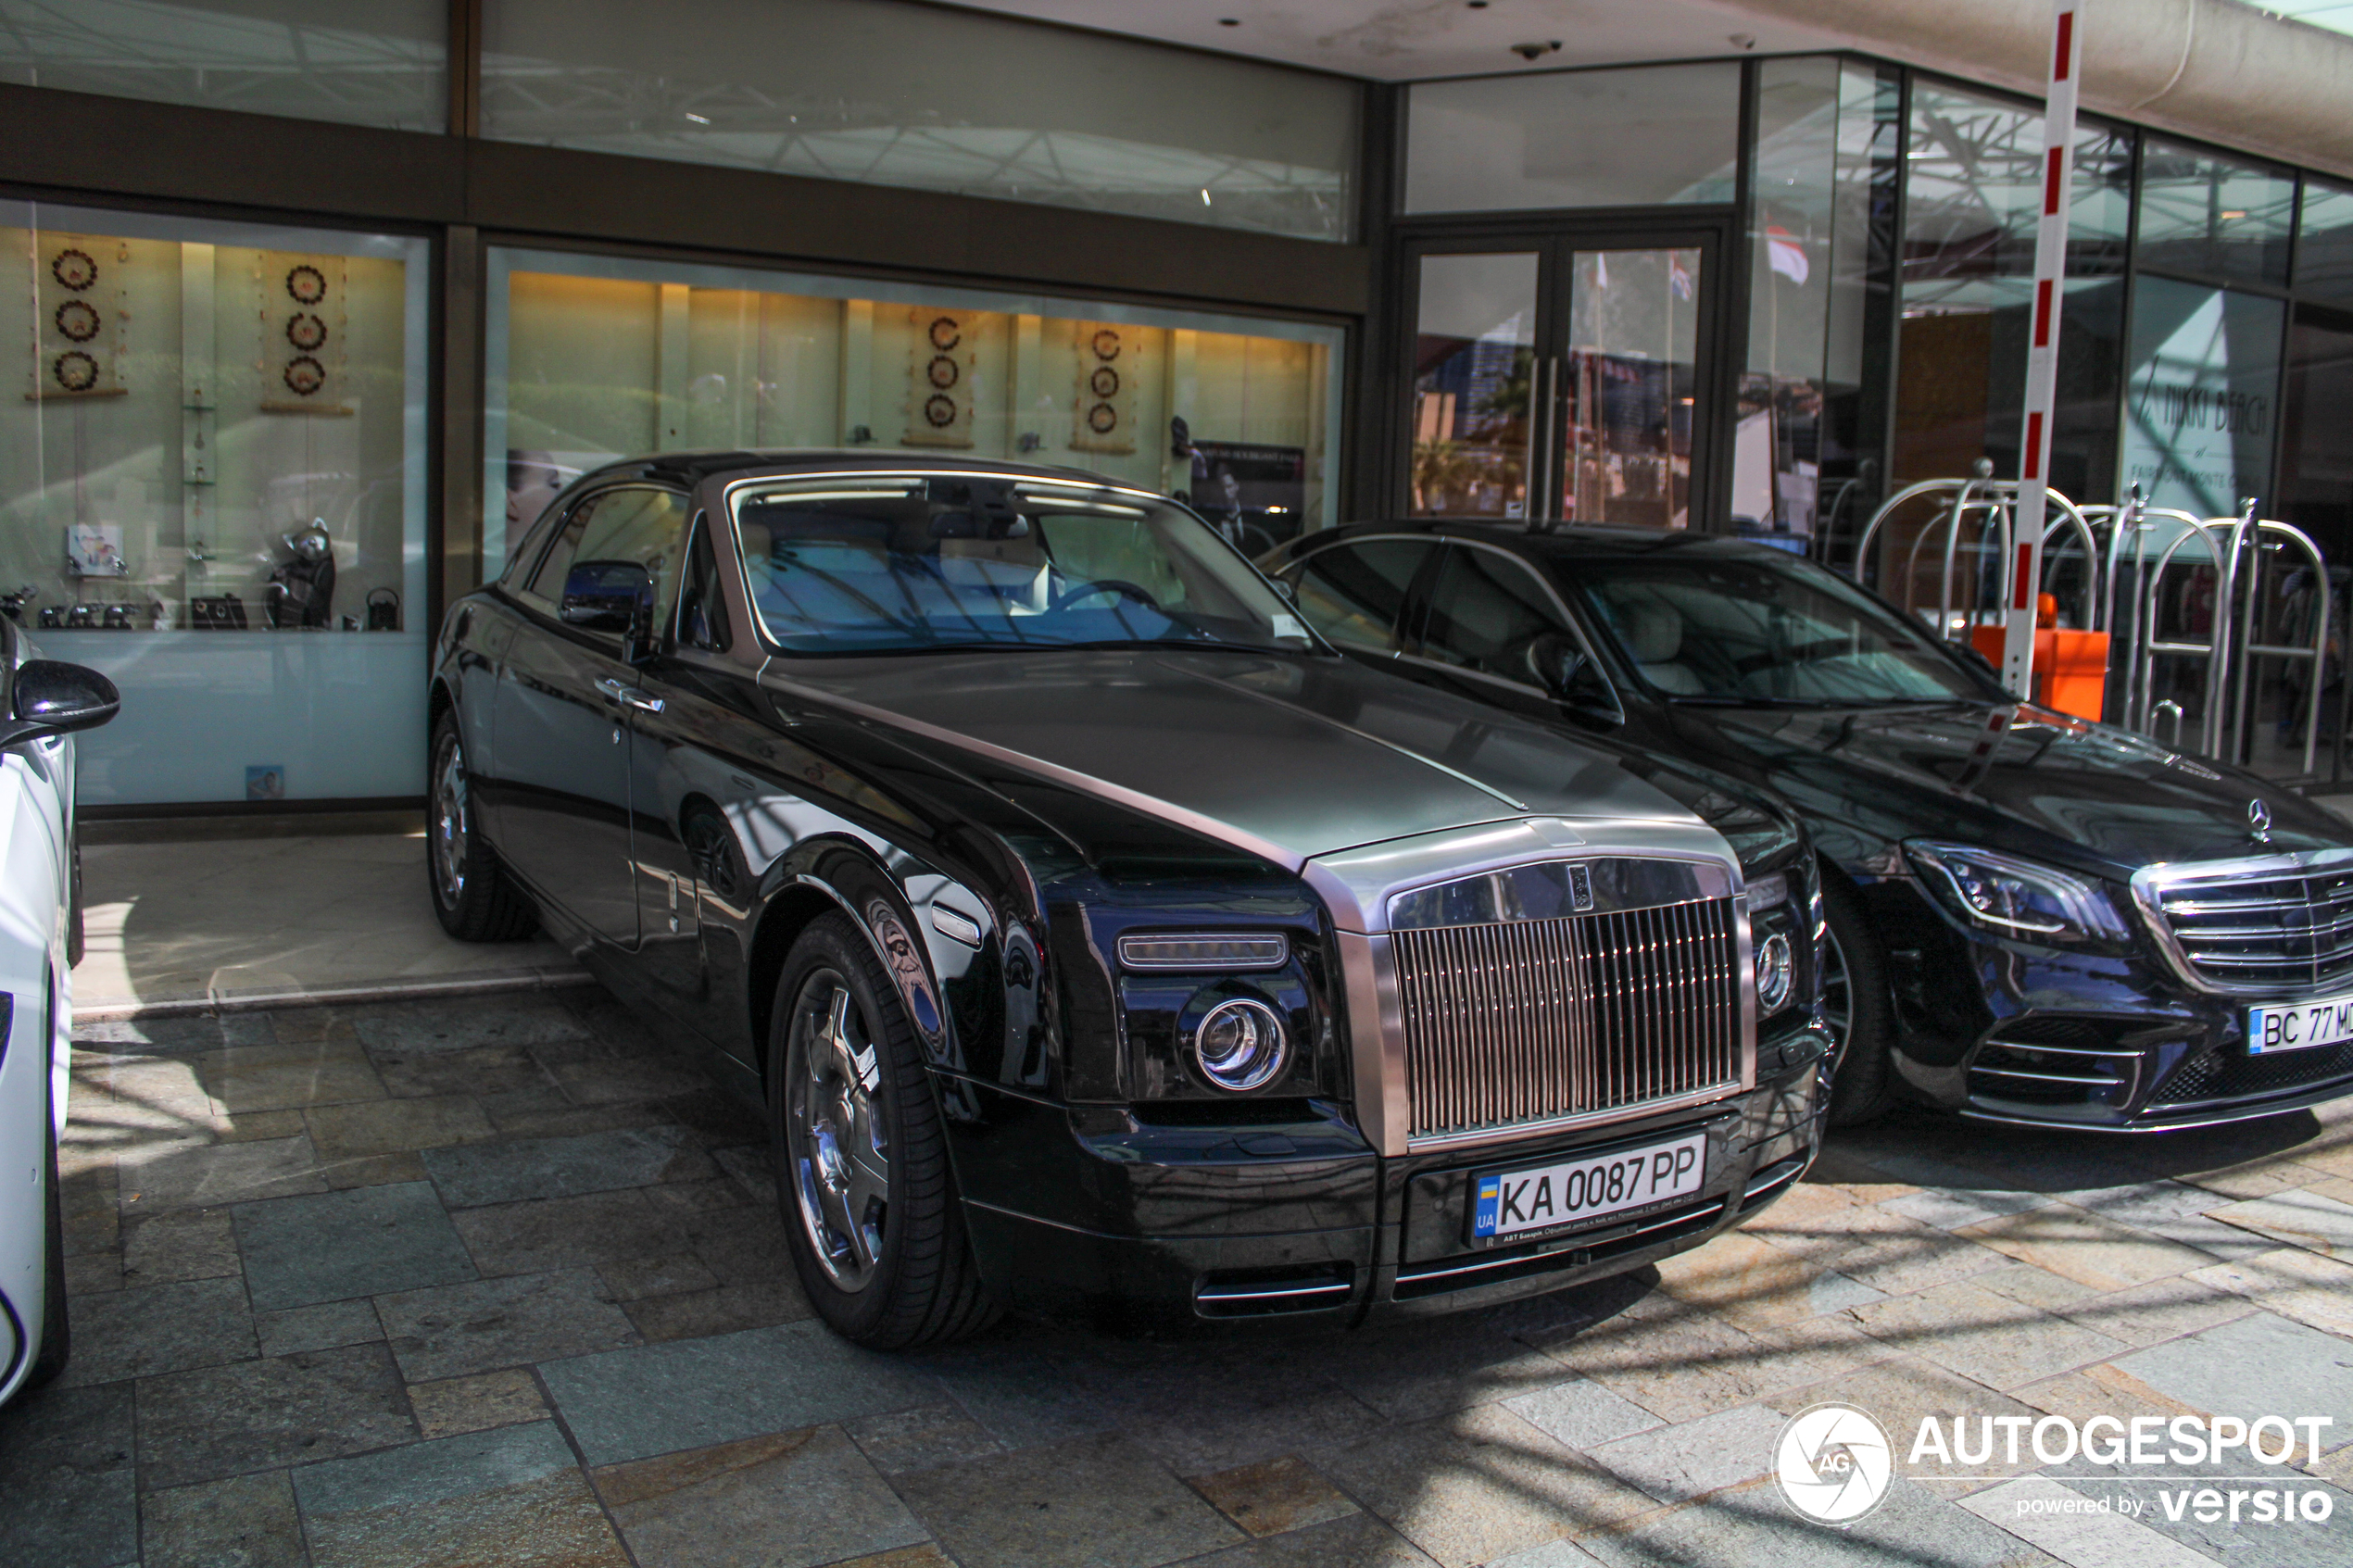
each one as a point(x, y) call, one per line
point(1838, 999)
point(837, 1139)
point(1859, 1009)
point(861, 1154)
point(472, 897)
point(446, 841)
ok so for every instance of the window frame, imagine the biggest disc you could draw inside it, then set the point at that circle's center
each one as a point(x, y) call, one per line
point(1427, 594)
point(539, 555)
point(1408, 625)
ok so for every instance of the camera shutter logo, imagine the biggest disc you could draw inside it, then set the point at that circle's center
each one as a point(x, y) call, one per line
point(1834, 1463)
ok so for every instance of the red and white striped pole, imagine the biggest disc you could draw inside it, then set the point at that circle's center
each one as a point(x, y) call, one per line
point(2042, 352)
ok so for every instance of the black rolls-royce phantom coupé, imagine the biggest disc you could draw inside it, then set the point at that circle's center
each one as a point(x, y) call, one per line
point(1091, 933)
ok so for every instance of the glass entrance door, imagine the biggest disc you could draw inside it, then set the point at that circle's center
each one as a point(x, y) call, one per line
point(1474, 350)
point(1564, 377)
point(1630, 385)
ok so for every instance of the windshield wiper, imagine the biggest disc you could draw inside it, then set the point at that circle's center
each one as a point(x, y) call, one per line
point(1703, 699)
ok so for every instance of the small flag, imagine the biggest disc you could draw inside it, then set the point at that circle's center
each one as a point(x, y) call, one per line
point(1785, 254)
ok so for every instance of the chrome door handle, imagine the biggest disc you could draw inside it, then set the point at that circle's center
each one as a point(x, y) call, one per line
point(622, 694)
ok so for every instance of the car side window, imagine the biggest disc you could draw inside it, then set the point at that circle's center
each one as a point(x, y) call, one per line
point(1486, 611)
point(702, 602)
point(643, 526)
point(1355, 593)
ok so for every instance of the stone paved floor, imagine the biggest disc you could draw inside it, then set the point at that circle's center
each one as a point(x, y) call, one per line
point(222, 920)
point(501, 1282)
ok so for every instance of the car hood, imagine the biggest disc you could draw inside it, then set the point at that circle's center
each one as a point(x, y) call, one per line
point(1289, 757)
point(2016, 777)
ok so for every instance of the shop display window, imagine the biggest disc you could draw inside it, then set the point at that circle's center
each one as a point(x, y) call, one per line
point(1574, 139)
point(215, 494)
point(934, 98)
point(593, 358)
point(377, 62)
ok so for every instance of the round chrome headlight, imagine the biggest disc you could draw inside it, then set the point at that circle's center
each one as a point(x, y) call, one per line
point(1776, 968)
point(1241, 1045)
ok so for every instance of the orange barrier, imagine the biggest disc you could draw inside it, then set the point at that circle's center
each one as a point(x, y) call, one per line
point(2071, 668)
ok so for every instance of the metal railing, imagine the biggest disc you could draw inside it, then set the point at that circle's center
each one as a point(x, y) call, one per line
point(2113, 545)
point(1992, 504)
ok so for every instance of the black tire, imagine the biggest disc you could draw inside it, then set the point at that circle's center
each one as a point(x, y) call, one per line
point(57, 1332)
point(1864, 1028)
point(472, 897)
point(907, 1276)
point(74, 944)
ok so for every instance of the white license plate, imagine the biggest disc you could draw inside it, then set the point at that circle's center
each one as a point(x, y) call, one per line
point(1572, 1192)
point(2299, 1026)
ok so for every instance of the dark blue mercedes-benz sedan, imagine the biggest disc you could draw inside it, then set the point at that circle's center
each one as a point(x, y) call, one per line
point(2034, 919)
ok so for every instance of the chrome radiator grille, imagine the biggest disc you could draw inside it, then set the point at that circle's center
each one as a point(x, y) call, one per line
point(1532, 1020)
point(2282, 931)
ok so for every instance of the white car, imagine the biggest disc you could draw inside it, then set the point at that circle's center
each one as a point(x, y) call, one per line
point(41, 702)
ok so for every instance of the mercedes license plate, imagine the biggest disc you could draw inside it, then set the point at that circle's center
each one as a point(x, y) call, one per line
point(2328, 1021)
point(1540, 1199)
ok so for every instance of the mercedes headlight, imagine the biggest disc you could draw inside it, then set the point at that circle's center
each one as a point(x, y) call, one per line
point(2017, 898)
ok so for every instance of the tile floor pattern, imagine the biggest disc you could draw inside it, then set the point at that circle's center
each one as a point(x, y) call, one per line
point(501, 1282)
point(179, 923)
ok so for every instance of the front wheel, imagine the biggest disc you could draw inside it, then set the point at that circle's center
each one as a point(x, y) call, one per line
point(472, 894)
point(1855, 1000)
point(57, 1336)
point(870, 1204)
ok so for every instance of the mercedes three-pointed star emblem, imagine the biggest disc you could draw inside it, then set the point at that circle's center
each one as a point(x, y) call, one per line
point(2259, 821)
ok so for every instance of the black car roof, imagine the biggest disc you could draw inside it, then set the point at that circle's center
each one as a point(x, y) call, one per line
point(691, 467)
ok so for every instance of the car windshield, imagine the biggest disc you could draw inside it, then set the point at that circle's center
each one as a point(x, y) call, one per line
point(1764, 629)
point(921, 563)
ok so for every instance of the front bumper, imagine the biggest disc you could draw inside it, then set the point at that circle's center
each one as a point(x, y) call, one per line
point(2053, 1038)
point(1301, 1221)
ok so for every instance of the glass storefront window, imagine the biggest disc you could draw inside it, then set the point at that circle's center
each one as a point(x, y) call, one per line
point(2324, 247)
point(592, 358)
point(932, 97)
point(215, 494)
point(2200, 415)
point(381, 63)
point(1972, 194)
point(1826, 151)
point(2316, 446)
point(2214, 216)
point(1627, 137)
